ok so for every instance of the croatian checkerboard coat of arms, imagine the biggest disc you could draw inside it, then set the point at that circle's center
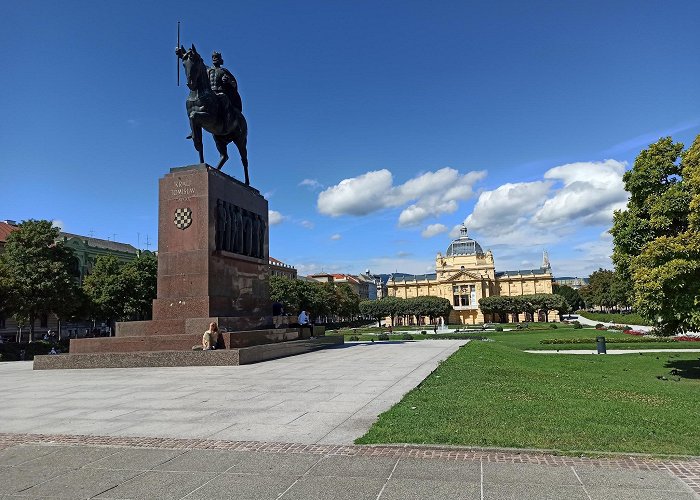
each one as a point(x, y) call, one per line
point(183, 218)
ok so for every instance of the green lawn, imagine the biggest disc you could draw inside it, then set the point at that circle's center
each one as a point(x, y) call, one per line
point(620, 319)
point(530, 339)
point(493, 394)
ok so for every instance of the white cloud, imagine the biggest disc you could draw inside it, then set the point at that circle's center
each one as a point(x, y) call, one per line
point(307, 224)
point(311, 184)
point(58, 223)
point(430, 194)
point(336, 237)
point(274, 217)
point(360, 195)
point(433, 230)
point(591, 192)
point(498, 211)
point(541, 212)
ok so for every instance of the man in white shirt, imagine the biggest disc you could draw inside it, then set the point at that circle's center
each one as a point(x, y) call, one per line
point(305, 322)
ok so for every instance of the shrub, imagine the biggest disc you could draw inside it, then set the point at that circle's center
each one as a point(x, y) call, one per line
point(600, 326)
point(353, 337)
point(553, 326)
point(407, 336)
point(382, 336)
point(499, 328)
point(423, 332)
point(577, 325)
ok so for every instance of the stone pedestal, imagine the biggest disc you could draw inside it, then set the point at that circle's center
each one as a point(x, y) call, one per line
point(212, 266)
point(212, 263)
point(213, 251)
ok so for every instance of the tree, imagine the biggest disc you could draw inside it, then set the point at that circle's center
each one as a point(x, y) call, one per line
point(495, 304)
point(347, 300)
point(657, 237)
point(372, 309)
point(286, 291)
point(138, 281)
point(36, 272)
point(571, 295)
point(122, 292)
point(104, 290)
point(391, 306)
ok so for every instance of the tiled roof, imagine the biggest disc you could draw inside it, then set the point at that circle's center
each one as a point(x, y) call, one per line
point(415, 277)
point(99, 243)
point(5, 230)
point(523, 272)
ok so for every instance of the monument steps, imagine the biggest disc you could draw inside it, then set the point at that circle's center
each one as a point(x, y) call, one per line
point(180, 342)
point(173, 358)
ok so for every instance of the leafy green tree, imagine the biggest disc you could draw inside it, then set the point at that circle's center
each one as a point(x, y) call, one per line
point(36, 272)
point(347, 300)
point(495, 304)
point(286, 291)
point(104, 289)
point(391, 306)
point(656, 238)
point(121, 292)
point(571, 295)
point(372, 309)
point(607, 289)
point(138, 280)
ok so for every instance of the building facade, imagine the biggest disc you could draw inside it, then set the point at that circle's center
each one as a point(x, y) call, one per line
point(573, 281)
point(465, 274)
point(279, 268)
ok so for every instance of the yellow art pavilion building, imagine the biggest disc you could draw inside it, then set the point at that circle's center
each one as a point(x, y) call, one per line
point(465, 274)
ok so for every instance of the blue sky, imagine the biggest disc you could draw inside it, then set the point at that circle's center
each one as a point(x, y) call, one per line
point(375, 128)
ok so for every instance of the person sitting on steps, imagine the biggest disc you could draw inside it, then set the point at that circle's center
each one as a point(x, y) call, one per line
point(210, 337)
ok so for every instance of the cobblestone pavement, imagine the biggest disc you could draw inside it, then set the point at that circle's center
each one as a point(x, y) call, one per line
point(57, 466)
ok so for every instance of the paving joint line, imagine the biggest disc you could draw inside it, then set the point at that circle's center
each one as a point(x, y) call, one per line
point(581, 483)
point(685, 469)
point(388, 478)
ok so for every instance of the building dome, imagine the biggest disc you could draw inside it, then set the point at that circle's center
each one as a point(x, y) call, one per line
point(463, 245)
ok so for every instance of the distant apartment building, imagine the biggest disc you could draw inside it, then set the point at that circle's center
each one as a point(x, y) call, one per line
point(572, 281)
point(279, 268)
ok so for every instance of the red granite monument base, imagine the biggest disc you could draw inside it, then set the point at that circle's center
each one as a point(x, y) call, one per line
point(212, 267)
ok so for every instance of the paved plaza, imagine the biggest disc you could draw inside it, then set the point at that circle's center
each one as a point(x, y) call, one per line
point(282, 429)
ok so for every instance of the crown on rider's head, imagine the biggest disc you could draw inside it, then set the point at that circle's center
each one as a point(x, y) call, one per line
point(216, 55)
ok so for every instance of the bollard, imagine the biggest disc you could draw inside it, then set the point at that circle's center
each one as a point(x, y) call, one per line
point(600, 341)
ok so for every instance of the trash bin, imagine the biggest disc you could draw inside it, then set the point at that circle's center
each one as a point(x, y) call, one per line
point(600, 341)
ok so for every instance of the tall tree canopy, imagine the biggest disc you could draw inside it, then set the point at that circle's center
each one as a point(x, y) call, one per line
point(36, 273)
point(122, 292)
point(657, 237)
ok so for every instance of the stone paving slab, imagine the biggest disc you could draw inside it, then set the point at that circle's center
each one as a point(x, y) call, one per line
point(326, 396)
point(284, 471)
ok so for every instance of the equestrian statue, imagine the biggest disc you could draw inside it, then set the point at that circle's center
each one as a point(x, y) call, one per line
point(214, 105)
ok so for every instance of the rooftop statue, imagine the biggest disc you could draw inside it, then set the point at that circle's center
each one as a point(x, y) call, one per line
point(214, 105)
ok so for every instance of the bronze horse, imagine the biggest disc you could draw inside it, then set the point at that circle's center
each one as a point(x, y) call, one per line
point(212, 112)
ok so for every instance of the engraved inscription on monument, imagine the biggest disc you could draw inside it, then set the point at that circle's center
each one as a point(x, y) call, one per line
point(183, 189)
